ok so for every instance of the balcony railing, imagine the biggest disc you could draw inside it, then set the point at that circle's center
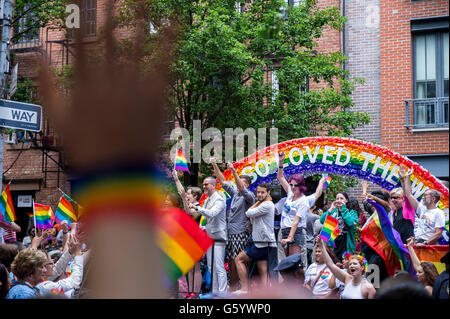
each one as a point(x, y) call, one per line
point(27, 45)
point(427, 113)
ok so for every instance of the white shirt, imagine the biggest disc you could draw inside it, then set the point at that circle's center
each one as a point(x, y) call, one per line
point(2, 232)
point(321, 287)
point(298, 208)
point(427, 220)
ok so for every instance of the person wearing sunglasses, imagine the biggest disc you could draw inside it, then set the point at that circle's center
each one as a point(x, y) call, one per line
point(404, 226)
point(293, 215)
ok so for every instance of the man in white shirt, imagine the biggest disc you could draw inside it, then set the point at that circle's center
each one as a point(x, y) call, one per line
point(262, 213)
point(430, 220)
point(214, 210)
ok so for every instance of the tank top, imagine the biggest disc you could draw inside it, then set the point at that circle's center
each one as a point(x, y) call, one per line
point(352, 292)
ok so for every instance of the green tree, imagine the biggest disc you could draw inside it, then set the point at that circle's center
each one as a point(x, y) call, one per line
point(31, 15)
point(226, 52)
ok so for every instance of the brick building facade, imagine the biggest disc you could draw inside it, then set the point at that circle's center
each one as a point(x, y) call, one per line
point(34, 163)
point(414, 55)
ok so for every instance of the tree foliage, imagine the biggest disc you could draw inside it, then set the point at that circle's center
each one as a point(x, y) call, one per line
point(31, 15)
point(226, 54)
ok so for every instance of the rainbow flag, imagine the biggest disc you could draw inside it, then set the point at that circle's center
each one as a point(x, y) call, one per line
point(181, 242)
point(433, 254)
point(386, 241)
point(181, 162)
point(7, 214)
point(330, 230)
point(65, 211)
point(43, 216)
point(327, 180)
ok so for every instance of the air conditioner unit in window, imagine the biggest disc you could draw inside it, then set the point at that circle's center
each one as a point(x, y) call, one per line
point(10, 138)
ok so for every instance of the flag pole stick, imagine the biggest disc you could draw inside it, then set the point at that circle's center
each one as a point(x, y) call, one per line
point(69, 197)
point(34, 217)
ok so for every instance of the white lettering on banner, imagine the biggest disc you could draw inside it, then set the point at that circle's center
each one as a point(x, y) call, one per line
point(377, 165)
point(343, 158)
point(291, 156)
point(339, 154)
point(266, 168)
point(312, 159)
point(326, 154)
point(367, 158)
point(417, 189)
point(393, 173)
point(248, 171)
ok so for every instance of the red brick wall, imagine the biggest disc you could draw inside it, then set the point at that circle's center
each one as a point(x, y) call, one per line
point(397, 75)
point(30, 164)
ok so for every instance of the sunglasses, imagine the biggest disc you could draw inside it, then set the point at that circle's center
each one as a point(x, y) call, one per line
point(293, 185)
point(395, 197)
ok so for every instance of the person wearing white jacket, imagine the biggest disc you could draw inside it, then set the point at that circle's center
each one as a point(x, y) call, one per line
point(69, 284)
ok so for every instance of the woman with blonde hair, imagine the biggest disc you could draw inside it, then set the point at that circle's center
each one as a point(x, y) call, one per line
point(29, 267)
point(400, 206)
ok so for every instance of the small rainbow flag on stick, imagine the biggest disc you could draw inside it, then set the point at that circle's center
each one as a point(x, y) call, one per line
point(43, 216)
point(65, 211)
point(181, 242)
point(330, 230)
point(181, 162)
point(327, 180)
point(7, 214)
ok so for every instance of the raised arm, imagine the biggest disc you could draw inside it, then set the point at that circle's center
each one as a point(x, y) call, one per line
point(13, 227)
point(319, 189)
point(383, 203)
point(280, 174)
point(337, 272)
point(239, 183)
point(415, 260)
point(40, 236)
point(405, 179)
point(217, 171)
point(180, 187)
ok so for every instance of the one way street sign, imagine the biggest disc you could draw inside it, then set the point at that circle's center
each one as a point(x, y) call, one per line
point(22, 116)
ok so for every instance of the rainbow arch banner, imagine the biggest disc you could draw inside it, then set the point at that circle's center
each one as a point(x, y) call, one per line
point(336, 155)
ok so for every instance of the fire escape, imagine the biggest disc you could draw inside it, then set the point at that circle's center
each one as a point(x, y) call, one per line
point(54, 44)
point(52, 159)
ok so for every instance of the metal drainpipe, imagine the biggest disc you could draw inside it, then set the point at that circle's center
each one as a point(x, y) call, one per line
point(343, 32)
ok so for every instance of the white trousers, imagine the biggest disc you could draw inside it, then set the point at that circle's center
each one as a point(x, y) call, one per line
point(218, 273)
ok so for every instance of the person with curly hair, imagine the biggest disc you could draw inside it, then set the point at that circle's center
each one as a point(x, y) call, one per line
point(29, 267)
point(426, 272)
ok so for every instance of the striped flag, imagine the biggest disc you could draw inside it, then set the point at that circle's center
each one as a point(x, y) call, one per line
point(330, 230)
point(181, 162)
point(327, 181)
point(181, 242)
point(65, 211)
point(7, 213)
point(43, 216)
point(386, 241)
point(433, 254)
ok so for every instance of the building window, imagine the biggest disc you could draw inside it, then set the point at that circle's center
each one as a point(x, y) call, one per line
point(88, 20)
point(26, 29)
point(431, 75)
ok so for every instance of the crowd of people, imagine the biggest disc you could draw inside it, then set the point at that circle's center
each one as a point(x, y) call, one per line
point(265, 239)
point(47, 263)
point(261, 240)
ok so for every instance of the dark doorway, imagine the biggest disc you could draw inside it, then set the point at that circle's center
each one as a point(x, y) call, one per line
point(23, 207)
